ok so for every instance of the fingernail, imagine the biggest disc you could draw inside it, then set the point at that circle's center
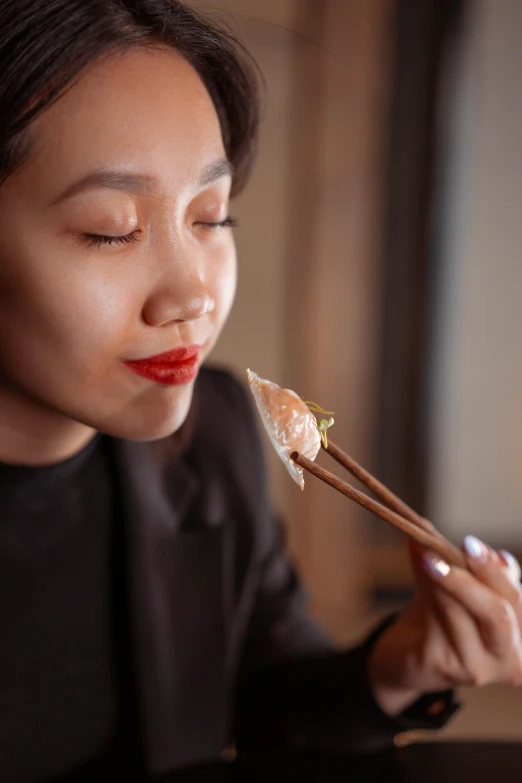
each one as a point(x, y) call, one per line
point(509, 559)
point(436, 566)
point(476, 549)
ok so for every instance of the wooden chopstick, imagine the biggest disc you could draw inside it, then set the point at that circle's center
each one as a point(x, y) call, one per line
point(434, 541)
point(388, 497)
point(378, 489)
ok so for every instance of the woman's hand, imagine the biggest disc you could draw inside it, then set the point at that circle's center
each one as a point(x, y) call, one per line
point(461, 628)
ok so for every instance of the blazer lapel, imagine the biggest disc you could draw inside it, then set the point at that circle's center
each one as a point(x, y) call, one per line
point(177, 610)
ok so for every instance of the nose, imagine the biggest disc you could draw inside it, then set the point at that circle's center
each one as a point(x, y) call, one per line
point(180, 297)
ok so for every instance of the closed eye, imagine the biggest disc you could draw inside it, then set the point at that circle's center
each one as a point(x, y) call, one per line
point(228, 222)
point(97, 240)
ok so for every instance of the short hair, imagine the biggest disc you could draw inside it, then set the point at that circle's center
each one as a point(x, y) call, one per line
point(45, 45)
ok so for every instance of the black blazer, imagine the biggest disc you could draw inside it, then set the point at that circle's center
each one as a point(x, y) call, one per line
point(222, 647)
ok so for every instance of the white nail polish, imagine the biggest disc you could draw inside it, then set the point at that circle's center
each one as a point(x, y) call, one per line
point(436, 566)
point(476, 549)
point(510, 559)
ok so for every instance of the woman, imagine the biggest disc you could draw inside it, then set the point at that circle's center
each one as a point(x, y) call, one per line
point(149, 615)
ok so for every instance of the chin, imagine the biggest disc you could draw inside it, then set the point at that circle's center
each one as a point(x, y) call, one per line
point(151, 420)
point(157, 431)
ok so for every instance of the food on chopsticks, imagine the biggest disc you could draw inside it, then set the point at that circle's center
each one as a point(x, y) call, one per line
point(292, 427)
point(289, 422)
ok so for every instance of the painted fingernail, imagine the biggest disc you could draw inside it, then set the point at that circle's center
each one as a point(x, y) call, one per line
point(476, 549)
point(509, 559)
point(436, 566)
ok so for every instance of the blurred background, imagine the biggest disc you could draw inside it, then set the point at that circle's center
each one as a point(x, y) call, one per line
point(380, 274)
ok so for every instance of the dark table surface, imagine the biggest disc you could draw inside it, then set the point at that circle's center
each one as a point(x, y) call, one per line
point(437, 762)
point(423, 763)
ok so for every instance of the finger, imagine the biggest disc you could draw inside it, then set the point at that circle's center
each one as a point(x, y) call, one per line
point(492, 612)
point(512, 564)
point(424, 580)
point(461, 648)
point(491, 569)
point(465, 656)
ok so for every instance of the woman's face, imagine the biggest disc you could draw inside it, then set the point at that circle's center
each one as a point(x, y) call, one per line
point(110, 249)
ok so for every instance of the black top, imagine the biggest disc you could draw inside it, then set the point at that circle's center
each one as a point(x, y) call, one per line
point(221, 645)
point(61, 692)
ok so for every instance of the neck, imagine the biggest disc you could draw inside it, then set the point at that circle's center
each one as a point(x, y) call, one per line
point(33, 435)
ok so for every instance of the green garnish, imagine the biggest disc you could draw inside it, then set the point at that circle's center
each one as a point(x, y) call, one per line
point(322, 424)
point(315, 407)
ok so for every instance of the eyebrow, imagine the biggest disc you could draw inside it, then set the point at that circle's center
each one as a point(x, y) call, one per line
point(216, 170)
point(140, 184)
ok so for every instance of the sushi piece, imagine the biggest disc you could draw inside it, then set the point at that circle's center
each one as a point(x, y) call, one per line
point(289, 423)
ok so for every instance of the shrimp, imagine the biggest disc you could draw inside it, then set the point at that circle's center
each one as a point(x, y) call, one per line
point(289, 423)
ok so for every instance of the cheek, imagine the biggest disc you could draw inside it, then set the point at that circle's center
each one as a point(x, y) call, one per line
point(224, 281)
point(103, 313)
point(64, 311)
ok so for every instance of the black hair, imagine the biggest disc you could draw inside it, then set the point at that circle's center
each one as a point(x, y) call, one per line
point(45, 44)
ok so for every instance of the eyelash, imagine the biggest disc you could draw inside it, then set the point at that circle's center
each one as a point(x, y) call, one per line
point(228, 222)
point(97, 240)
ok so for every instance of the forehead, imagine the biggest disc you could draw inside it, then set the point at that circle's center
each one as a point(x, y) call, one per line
point(143, 109)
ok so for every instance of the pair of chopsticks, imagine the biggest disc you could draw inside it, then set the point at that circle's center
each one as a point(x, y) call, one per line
point(400, 516)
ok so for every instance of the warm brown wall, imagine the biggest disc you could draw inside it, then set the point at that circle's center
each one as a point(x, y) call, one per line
point(476, 462)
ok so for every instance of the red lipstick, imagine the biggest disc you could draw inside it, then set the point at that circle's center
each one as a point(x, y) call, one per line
point(173, 368)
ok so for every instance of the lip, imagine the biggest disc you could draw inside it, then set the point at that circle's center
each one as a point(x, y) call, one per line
point(172, 368)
